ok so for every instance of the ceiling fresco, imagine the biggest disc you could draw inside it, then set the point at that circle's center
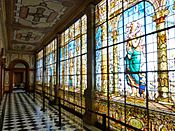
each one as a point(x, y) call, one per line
point(40, 13)
point(28, 36)
point(23, 47)
point(31, 22)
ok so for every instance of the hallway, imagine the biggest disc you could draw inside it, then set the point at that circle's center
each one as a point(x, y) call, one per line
point(21, 113)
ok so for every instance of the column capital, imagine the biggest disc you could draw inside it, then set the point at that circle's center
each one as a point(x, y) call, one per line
point(160, 16)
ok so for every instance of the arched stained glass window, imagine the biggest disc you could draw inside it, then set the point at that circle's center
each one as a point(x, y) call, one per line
point(73, 62)
point(135, 58)
point(39, 67)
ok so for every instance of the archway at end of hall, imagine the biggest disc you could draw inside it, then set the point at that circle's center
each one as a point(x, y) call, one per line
point(19, 75)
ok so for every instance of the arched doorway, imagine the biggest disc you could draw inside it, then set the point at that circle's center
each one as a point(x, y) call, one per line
point(19, 75)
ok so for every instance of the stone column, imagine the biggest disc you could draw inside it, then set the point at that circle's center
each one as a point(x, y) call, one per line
point(89, 93)
point(163, 79)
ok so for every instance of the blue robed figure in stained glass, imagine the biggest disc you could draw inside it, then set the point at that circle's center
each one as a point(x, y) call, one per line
point(133, 60)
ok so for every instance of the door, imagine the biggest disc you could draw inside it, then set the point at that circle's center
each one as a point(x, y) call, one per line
point(18, 78)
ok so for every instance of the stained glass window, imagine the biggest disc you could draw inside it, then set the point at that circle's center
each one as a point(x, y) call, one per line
point(50, 73)
point(73, 62)
point(135, 62)
point(39, 67)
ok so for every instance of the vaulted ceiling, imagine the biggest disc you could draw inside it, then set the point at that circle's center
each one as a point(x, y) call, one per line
point(32, 23)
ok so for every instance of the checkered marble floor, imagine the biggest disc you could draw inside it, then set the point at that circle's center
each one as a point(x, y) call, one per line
point(22, 114)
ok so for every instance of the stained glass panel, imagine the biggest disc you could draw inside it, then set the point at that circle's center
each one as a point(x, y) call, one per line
point(73, 63)
point(50, 73)
point(101, 36)
point(170, 19)
point(100, 12)
point(114, 8)
point(39, 67)
point(135, 61)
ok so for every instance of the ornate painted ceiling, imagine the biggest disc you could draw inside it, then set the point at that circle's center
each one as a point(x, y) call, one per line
point(30, 23)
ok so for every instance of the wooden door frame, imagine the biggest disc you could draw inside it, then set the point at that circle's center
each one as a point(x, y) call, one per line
point(11, 72)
